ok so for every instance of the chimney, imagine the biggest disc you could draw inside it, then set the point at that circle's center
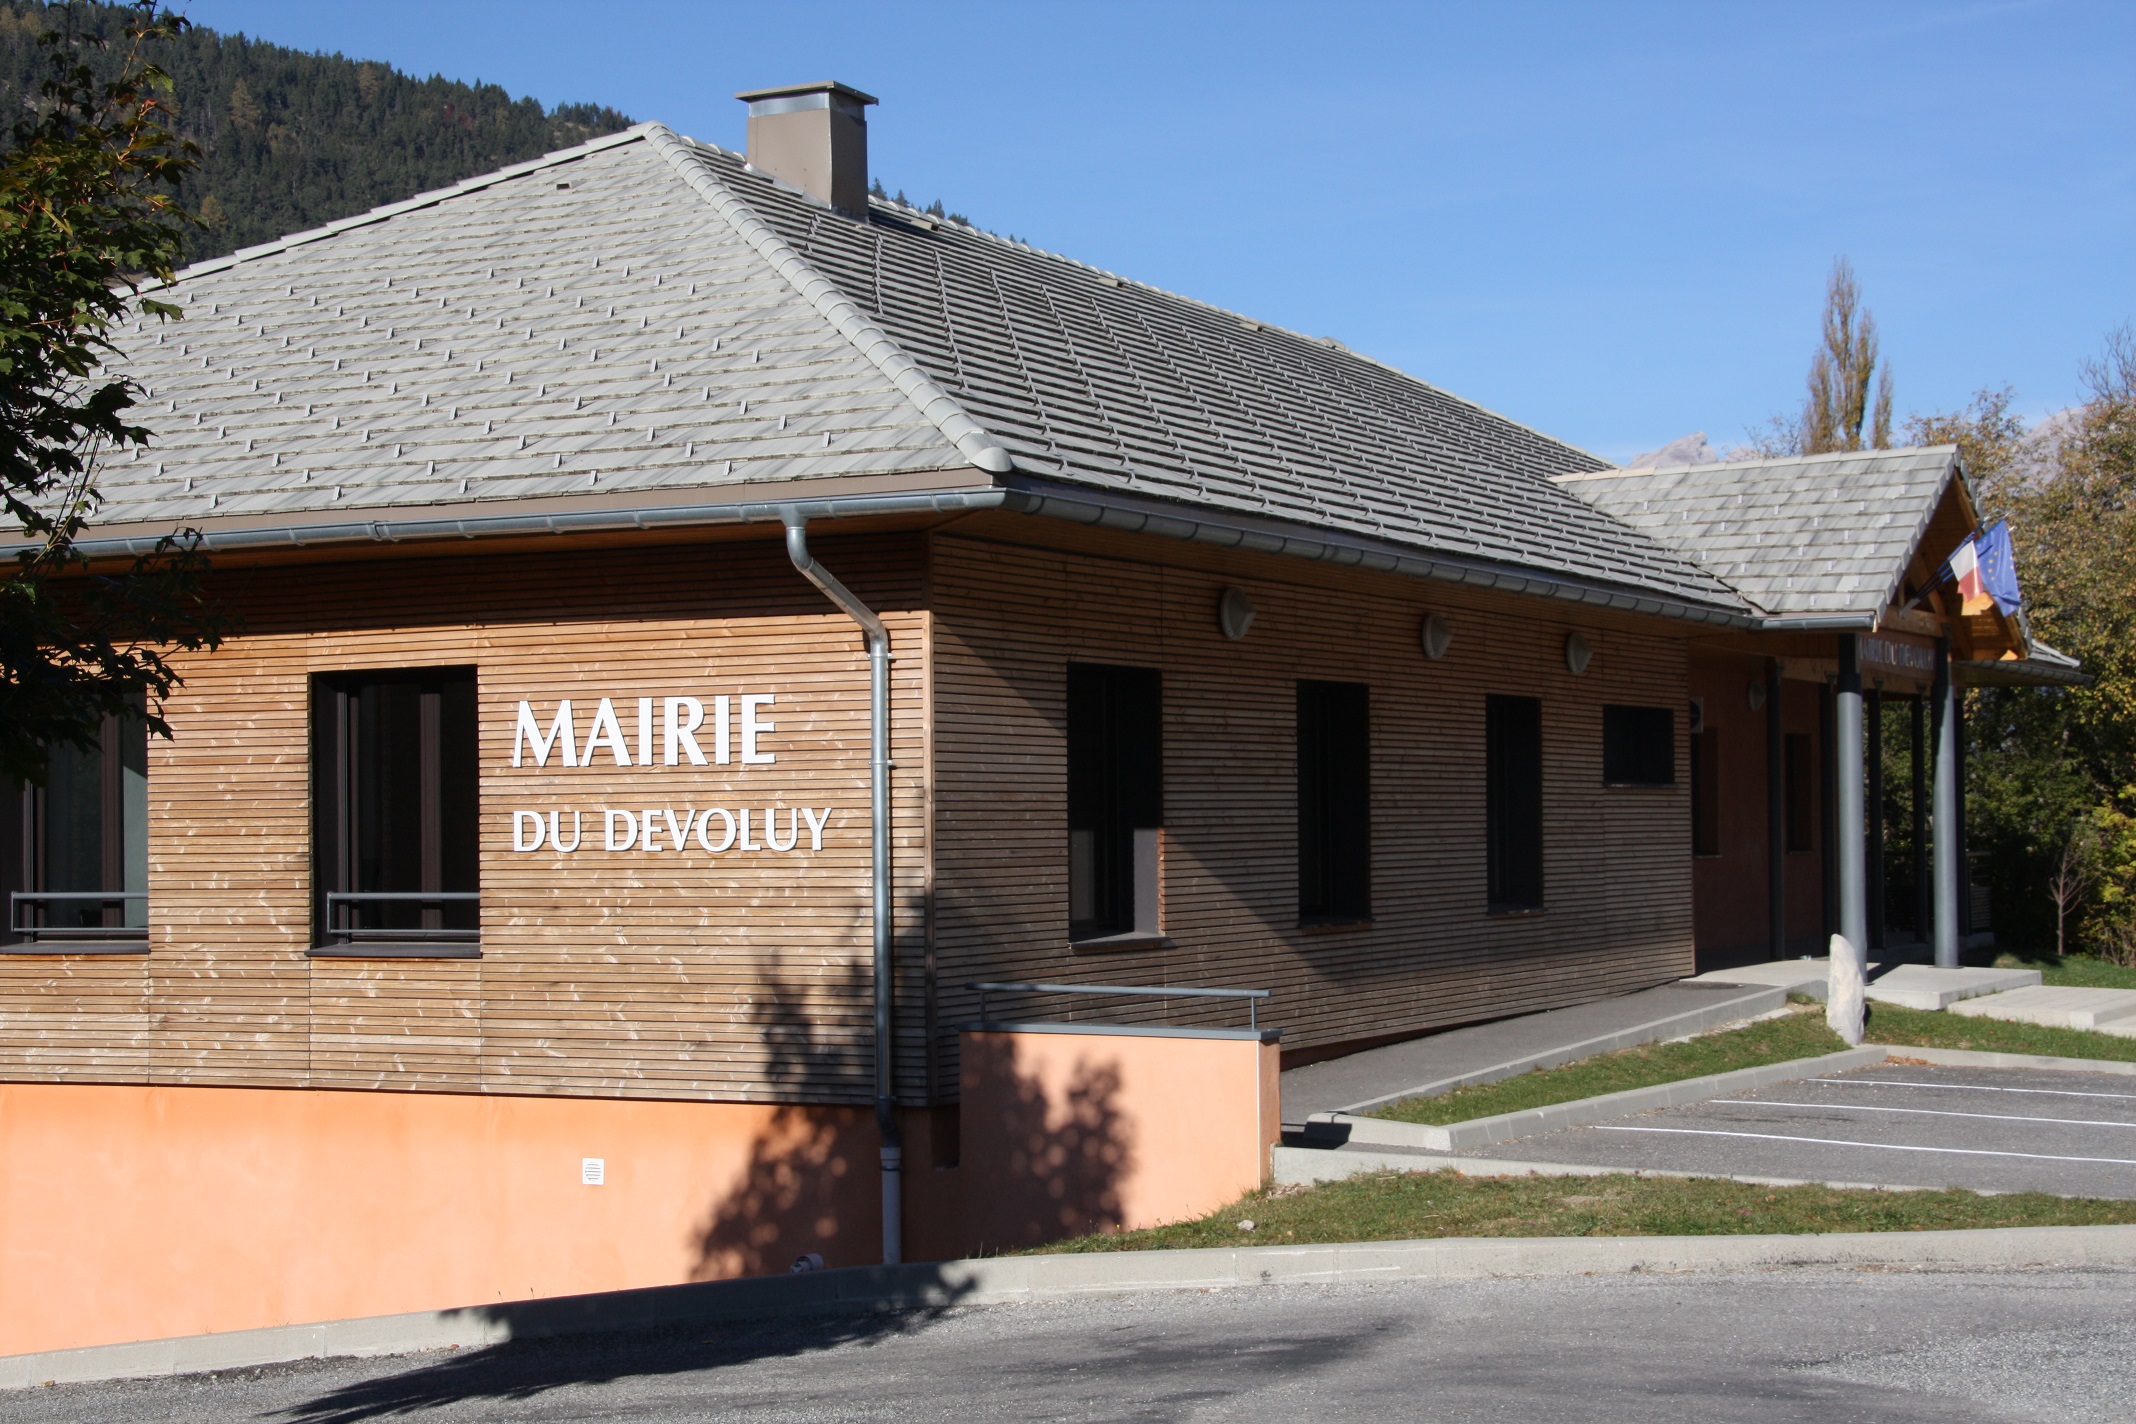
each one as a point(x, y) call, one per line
point(814, 136)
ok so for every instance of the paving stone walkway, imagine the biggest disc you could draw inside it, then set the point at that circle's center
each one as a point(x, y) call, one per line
point(1482, 1053)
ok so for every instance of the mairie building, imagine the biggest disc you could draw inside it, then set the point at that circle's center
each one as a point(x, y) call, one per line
point(694, 623)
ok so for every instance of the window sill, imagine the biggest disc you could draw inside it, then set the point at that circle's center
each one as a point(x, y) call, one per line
point(1114, 943)
point(1513, 912)
point(1638, 786)
point(52, 949)
point(386, 949)
point(1333, 926)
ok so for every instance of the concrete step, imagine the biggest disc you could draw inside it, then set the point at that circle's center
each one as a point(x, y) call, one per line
point(1923, 986)
point(2059, 1006)
point(1908, 986)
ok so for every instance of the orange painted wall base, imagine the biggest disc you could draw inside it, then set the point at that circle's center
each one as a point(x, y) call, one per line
point(137, 1213)
point(140, 1213)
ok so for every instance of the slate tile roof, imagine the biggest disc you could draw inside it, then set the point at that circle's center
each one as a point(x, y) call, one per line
point(603, 322)
point(1097, 380)
point(1805, 536)
point(568, 327)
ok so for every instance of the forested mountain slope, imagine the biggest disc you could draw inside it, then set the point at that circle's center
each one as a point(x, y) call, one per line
point(291, 140)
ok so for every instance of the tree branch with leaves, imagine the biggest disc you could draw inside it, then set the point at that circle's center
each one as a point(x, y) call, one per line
point(90, 226)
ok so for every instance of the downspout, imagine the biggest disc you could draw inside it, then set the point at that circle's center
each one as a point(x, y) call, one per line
point(878, 639)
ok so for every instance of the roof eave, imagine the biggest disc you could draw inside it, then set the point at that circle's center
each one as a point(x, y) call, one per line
point(1105, 509)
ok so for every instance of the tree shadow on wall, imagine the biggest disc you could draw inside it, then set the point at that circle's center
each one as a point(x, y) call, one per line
point(809, 1186)
point(1045, 1150)
point(812, 1183)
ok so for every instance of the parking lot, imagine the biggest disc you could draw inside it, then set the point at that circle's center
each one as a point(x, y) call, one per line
point(1897, 1124)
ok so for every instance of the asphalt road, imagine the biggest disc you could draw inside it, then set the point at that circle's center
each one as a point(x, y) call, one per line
point(1899, 1124)
point(1802, 1345)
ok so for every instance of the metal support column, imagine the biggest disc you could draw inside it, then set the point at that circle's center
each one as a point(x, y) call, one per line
point(1850, 814)
point(1917, 810)
point(1879, 908)
point(1775, 815)
point(1950, 871)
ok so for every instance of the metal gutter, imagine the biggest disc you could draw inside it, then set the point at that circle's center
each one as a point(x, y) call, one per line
point(587, 521)
point(1077, 506)
point(1819, 623)
point(1112, 511)
point(973, 440)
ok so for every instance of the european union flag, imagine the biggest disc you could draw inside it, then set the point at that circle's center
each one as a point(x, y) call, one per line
point(1998, 568)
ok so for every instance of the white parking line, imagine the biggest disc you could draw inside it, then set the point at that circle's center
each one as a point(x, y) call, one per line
point(1971, 1088)
point(1880, 1146)
point(1923, 1112)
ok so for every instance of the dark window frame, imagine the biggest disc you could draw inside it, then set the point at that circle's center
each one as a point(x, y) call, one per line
point(1513, 805)
point(1638, 745)
point(1334, 804)
point(107, 917)
point(1799, 777)
point(395, 752)
point(1115, 776)
point(1706, 792)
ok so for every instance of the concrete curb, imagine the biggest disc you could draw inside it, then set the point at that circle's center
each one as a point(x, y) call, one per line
point(1026, 1279)
point(1481, 1131)
point(1310, 1166)
point(1973, 1058)
point(1754, 1001)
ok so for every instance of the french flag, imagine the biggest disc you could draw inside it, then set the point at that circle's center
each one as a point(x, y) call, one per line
point(1986, 570)
point(1972, 588)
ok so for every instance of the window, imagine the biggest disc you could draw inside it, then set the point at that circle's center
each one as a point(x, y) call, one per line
point(1706, 792)
point(395, 835)
point(1513, 802)
point(1115, 800)
point(77, 865)
point(1334, 803)
point(1638, 746)
point(1800, 771)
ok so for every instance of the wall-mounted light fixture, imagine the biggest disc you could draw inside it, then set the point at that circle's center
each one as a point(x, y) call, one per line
point(1234, 614)
point(1438, 636)
point(1578, 652)
point(1754, 694)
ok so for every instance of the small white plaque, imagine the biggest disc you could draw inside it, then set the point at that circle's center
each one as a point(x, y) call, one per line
point(593, 1171)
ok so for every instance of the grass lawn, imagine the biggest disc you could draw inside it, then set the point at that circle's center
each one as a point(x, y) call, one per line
point(1410, 1205)
point(1801, 1034)
point(2079, 971)
point(1919, 1028)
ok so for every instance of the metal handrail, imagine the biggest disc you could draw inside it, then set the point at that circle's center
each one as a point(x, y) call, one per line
point(1251, 996)
point(353, 934)
point(18, 898)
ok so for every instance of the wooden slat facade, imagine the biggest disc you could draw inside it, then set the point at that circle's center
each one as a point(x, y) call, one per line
point(745, 977)
point(1010, 615)
point(624, 974)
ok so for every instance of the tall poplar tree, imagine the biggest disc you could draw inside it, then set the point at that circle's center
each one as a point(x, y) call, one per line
point(1838, 405)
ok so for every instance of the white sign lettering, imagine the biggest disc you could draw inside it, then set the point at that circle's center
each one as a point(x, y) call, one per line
point(655, 830)
point(679, 721)
point(666, 731)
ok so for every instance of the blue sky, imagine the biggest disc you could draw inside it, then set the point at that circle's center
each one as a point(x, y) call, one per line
point(1613, 222)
